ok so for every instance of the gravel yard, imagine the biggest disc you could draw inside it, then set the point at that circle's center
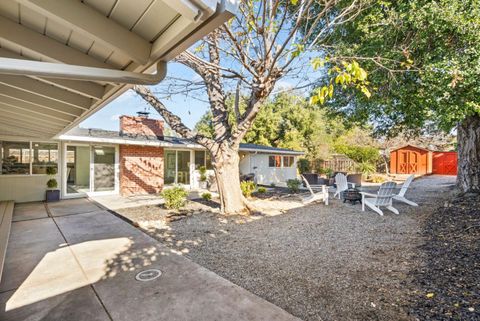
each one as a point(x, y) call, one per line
point(317, 262)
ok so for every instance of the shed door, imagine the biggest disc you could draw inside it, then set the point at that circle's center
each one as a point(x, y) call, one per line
point(408, 162)
point(445, 163)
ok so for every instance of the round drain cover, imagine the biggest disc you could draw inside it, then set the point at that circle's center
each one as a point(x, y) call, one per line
point(148, 275)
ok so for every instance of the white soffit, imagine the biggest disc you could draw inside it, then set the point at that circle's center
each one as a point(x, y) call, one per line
point(123, 37)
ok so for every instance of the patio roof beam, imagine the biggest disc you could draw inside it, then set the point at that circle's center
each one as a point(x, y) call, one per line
point(28, 106)
point(19, 115)
point(16, 127)
point(84, 88)
point(49, 49)
point(86, 20)
point(46, 90)
point(40, 101)
point(24, 108)
point(32, 124)
point(54, 70)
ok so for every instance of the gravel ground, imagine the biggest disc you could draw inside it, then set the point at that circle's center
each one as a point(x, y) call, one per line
point(317, 262)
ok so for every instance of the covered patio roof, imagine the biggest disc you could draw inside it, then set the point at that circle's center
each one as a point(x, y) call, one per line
point(61, 61)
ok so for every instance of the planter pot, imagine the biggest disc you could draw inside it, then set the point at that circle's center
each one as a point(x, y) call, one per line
point(53, 195)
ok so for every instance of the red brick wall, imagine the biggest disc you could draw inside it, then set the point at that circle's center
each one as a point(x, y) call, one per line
point(141, 126)
point(141, 169)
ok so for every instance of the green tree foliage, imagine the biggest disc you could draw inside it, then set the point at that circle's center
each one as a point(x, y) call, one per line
point(422, 58)
point(289, 121)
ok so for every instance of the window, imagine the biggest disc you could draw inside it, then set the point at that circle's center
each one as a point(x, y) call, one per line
point(288, 161)
point(199, 158)
point(203, 158)
point(44, 155)
point(15, 158)
point(274, 161)
point(208, 160)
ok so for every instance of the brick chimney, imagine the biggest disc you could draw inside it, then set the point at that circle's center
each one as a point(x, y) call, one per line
point(143, 126)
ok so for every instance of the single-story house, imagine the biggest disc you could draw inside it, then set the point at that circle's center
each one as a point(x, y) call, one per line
point(62, 61)
point(138, 159)
point(411, 159)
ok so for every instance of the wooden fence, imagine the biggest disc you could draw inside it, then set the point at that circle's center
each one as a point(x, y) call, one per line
point(339, 163)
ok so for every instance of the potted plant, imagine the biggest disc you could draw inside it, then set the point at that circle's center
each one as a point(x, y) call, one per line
point(53, 194)
point(203, 177)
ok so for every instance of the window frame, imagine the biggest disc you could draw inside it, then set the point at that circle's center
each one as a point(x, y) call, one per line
point(275, 161)
point(207, 158)
point(30, 169)
point(32, 156)
point(291, 161)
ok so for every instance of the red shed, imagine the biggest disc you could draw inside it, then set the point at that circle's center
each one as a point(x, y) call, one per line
point(411, 160)
point(445, 163)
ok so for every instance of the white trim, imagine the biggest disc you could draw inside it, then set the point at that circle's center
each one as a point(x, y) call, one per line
point(264, 151)
point(129, 142)
point(66, 137)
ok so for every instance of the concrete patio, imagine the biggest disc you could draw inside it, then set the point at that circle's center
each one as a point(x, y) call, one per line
point(73, 260)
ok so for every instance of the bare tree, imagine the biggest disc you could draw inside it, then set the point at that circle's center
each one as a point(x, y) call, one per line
point(264, 43)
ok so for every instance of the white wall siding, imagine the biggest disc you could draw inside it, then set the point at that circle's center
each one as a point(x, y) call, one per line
point(26, 188)
point(245, 167)
point(266, 175)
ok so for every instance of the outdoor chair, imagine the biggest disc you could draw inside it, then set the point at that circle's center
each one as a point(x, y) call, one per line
point(319, 196)
point(383, 197)
point(342, 184)
point(401, 195)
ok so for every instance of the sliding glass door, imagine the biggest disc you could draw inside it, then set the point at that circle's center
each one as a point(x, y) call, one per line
point(78, 169)
point(103, 169)
point(90, 169)
point(177, 167)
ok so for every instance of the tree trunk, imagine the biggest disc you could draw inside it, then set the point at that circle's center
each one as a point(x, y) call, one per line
point(468, 135)
point(226, 166)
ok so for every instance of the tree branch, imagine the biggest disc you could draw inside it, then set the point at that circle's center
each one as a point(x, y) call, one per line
point(172, 120)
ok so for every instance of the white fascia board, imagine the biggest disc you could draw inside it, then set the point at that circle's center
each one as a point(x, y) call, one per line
point(118, 141)
point(263, 151)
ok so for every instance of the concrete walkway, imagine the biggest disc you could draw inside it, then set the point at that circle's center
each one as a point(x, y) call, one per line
point(76, 261)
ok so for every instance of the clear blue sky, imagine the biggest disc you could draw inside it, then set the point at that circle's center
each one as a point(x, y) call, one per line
point(188, 109)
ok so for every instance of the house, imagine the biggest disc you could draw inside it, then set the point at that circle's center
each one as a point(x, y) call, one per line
point(411, 159)
point(138, 159)
point(61, 61)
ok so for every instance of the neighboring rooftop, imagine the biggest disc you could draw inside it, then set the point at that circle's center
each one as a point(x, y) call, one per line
point(115, 137)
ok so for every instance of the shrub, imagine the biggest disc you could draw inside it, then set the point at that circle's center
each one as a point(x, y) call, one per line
point(262, 190)
point(52, 183)
point(51, 170)
point(366, 168)
point(207, 196)
point(203, 173)
point(248, 187)
point(378, 179)
point(359, 154)
point(328, 172)
point(273, 185)
point(293, 185)
point(175, 197)
point(303, 165)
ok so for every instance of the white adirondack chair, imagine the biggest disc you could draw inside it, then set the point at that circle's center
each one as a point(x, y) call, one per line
point(401, 195)
point(320, 196)
point(383, 197)
point(342, 184)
